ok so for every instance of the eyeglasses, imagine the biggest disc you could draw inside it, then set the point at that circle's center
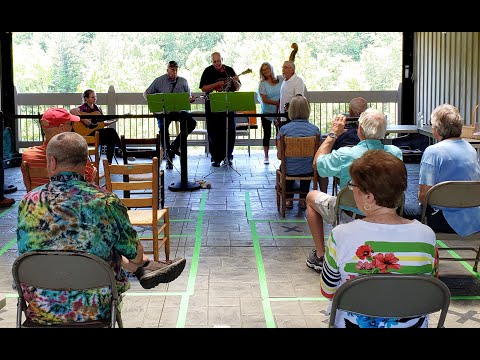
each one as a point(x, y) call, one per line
point(351, 185)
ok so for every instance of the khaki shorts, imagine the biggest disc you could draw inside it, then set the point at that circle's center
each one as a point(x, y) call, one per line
point(325, 206)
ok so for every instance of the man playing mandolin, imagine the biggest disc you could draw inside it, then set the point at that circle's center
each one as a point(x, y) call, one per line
point(219, 77)
point(87, 127)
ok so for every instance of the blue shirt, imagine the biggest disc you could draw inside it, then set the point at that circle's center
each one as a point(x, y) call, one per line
point(298, 128)
point(272, 92)
point(453, 160)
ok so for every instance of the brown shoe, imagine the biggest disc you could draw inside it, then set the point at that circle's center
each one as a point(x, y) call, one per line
point(166, 272)
point(6, 202)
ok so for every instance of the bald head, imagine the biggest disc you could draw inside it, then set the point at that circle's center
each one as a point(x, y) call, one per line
point(357, 106)
point(67, 151)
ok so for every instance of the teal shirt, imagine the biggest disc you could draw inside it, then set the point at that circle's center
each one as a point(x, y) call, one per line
point(337, 163)
point(71, 214)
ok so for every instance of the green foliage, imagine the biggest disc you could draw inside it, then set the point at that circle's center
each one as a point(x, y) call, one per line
point(71, 62)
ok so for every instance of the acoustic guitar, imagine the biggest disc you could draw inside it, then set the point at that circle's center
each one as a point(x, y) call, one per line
point(97, 123)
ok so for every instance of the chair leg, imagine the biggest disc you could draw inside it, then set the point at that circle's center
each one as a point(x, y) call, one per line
point(155, 239)
point(475, 266)
point(162, 190)
point(166, 234)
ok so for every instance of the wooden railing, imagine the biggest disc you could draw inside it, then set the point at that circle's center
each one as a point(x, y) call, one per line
point(324, 105)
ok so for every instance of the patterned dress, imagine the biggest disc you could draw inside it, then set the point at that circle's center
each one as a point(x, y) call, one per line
point(69, 214)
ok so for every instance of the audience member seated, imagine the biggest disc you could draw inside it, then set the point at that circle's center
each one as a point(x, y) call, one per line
point(381, 242)
point(349, 137)
point(321, 206)
point(450, 159)
point(298, 112)
point(69, 214)
point(54, 121)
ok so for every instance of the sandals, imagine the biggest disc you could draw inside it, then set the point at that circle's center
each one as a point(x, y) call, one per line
point(302, 204)
point(289, 204)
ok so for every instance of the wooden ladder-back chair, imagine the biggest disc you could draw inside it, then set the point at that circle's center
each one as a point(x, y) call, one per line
point(65, 271)
point(143, 149)
point(31, 173)
point(143, 217)
point(94, 153)
point(294, 147)
point(456, 194)
point(392, 296)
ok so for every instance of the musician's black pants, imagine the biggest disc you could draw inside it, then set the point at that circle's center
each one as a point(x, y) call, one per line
point(109, 137)
point(216, 128)
point(165, 135)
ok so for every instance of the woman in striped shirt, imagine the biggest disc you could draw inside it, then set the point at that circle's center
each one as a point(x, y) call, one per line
point(382, 242)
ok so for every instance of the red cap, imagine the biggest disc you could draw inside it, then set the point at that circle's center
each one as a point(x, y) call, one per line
point(58, 116)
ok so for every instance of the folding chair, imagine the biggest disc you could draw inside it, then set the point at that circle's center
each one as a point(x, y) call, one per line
point(294, 147)
point(392, 296)
point(345, 198)
point(65, 271)
point(143, 148)
point(149, 199)
point(455, 194)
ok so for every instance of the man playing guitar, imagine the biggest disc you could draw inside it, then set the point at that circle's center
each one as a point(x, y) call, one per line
point(219, 77)
point(108, 136)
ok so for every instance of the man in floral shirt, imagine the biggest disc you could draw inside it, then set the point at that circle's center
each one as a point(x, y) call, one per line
point(69, 214)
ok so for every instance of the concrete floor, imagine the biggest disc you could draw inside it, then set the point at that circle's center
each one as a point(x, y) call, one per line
point(245, 264)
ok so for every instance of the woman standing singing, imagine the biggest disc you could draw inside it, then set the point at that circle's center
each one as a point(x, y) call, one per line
point(269, 97)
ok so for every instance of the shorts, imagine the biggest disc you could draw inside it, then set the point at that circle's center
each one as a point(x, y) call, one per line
point(325, 206)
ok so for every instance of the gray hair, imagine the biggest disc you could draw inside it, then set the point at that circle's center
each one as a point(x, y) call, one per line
point(373, 123)
point(290, 63)
point(447, 120)
point(69, 149)
point(299, 108)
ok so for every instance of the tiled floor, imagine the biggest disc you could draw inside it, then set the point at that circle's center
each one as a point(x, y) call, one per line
point(245, 264)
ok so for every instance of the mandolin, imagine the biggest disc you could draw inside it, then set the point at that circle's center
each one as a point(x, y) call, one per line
point(97, 123)
point(229, 80)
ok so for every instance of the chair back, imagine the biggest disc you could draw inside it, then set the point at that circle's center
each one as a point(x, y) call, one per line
point(144, 148)
point(32, 175)
point(151, 200)
point(455, 194)
point(345, 198)
point(392, 295)
point(64, 271)
point(141, 148)
point(294, 147)
point(93, 142)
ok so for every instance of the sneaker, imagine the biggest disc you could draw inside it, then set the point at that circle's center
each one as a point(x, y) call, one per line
point(266, 162)
point(6, 202)
point(314, 262)
point(215, 164)
point(167, 272)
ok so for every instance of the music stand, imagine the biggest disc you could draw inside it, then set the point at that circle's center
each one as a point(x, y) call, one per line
point(175, 102)
point(227, 102)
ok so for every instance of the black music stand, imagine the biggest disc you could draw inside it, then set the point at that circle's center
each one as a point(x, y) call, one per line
point(225, 102)
point(175, 102)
